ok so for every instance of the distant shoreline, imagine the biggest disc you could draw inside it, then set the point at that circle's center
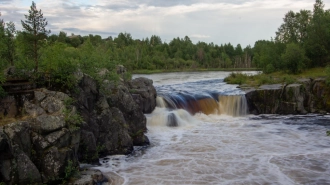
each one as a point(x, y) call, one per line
point(192, 70)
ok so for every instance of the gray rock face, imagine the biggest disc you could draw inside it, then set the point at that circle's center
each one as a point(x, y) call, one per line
point(307, 96)
point(27, 171)
point(38, 150)
point(114, 133)
point(19, 134)
point(45, 124)
point(114, 121)
point(33, 110)
point(41, 145)
point(6, 150)
point(133, 115)
point(257, 99)
point(144, 93)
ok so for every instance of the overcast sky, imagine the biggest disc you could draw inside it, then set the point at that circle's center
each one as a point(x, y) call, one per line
point(218, 21)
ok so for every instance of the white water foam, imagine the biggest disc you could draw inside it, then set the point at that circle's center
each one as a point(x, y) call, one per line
point(226, 150)
point(221, 149)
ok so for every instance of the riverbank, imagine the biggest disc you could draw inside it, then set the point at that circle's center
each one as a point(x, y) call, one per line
point(191, 70)
point(274, 78)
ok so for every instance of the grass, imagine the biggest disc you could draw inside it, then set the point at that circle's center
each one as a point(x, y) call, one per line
point(7, 120)
point(273, 78)
point(145, 71)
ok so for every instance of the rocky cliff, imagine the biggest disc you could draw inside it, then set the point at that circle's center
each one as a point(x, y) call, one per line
point(39, 148)
point(306, 96)
point(57, 130)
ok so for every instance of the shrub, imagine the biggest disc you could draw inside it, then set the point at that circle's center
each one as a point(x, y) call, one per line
point(236, 78)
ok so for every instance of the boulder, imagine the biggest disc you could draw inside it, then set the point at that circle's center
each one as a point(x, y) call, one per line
point(264, 100)
point(292, 101)
point(144, 93)
point(16, 166)
point(121, 98)
point(114, 137)
point(45, 124)
point(26, 170)
point(321, 96)
point(6, 150)
point(19, 134)
point(53, 162)
point(33, 110)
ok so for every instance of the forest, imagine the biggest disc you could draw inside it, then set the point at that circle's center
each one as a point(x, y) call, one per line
point(301, 42)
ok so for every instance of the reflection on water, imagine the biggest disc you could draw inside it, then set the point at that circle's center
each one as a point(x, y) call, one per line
point(221, 149)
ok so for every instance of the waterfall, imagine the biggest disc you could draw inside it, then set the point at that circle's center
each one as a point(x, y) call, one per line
point(233, 105)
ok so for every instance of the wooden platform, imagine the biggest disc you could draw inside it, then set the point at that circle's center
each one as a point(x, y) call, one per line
point(18, 86)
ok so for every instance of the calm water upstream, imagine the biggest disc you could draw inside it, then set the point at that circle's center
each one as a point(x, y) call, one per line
point(200, 133)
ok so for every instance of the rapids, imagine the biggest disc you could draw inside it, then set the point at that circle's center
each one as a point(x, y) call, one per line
point(201, 133)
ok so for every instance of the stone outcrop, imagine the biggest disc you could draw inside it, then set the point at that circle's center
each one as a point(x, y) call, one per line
point(38, 149)
point(105, 130)
point(306, 96)
point(144, 93)
point(59, 129)
point(114, 122)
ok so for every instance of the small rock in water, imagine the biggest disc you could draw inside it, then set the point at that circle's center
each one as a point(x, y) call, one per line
point(172, 120)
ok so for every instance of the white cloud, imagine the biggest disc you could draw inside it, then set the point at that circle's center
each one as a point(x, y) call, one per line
point(218, 21)
point(199, 36)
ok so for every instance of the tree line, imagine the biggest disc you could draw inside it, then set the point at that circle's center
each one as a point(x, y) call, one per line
point(302, 41)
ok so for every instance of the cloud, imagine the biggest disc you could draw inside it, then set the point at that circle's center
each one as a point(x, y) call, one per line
point(199, 36)
point(5, 1)
point(86, 32)
point(218, 21)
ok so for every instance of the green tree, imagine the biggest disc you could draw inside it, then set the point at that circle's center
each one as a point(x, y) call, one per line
point(10, 43)
point(7, 43)
point(75, 41)
point(2, 63)
point(62, 37)
point(317, 45)
point(2, 43)
point(59, 66)
point(34, 28)
point(294, 28)
point(267, 55)
point(294, 58)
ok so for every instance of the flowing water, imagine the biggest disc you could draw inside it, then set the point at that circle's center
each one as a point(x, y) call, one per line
point(201, 133)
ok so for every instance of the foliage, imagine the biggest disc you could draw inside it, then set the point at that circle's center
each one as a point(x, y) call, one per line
point(327, 72)
point(35, 32)
point(267, 55)
point(294, 58)
point(305, 36)
point(71, 116)
point(261, 79)
point(301, 41)
point(56, 66)
point(237, 78)
point(70, 170)
point(328, 133)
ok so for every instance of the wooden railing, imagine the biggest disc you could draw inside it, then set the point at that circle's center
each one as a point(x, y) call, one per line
point(18, 86)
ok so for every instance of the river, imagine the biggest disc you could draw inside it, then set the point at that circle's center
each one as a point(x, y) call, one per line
point(201, 133)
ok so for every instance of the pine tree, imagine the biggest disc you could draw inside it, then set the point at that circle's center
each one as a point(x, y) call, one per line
point(34, 29)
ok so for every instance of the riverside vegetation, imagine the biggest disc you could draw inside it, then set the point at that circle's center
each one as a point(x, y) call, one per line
point(300, 43)
point(84, 67)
